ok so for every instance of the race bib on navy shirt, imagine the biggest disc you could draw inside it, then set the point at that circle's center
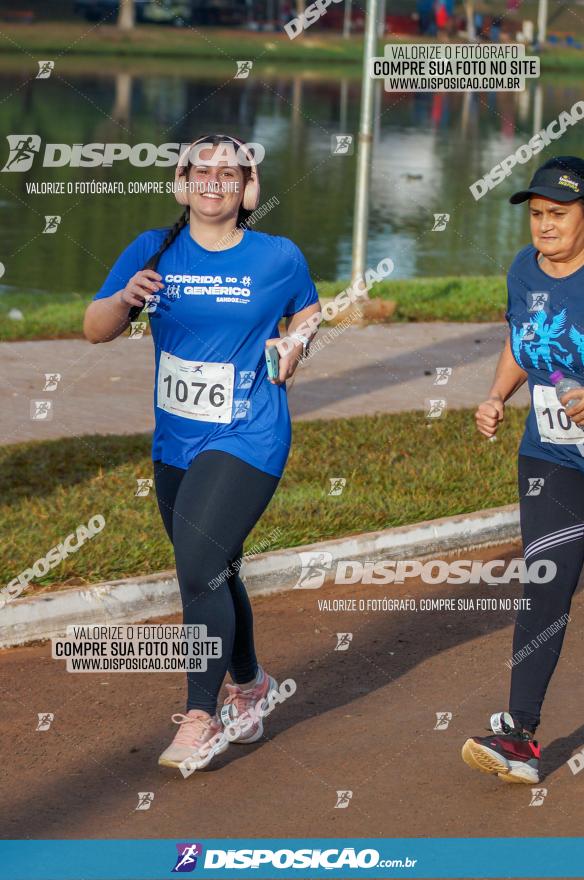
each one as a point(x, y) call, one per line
point(546, 321)
point(214, 315)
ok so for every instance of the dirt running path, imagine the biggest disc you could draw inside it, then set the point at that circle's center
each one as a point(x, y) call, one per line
point(361, 720)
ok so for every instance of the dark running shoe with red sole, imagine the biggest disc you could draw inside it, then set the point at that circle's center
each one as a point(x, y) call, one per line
point(508, 751)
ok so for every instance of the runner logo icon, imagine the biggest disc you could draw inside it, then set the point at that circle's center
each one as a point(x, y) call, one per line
point(23, 148)
point(45, 69)
point(440, 222)
point(435, 408)
point(342, 145)
point(535, 486)
point(343, 641)
point(246, 378)
point(315, 567)
point(45, 720)
point(443, 374)
point(443, 719)
point(243, 69)
point(51, 223)
point(538, 300)
point(538, 796)
point(188, 853)
point(145, 799)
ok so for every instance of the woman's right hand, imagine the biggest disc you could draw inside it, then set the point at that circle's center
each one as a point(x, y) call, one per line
point(488, 415)
point(141, 287)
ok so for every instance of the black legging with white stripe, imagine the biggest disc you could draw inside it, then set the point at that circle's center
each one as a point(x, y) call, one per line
point(552, 526)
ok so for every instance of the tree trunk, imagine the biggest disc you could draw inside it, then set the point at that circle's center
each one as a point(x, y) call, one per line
point(470, 22)
point(542, 18)
point(126, 15)
point(381, 24)
point(347, 19)
point(123, 97)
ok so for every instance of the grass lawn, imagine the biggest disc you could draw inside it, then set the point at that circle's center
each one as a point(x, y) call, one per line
point(73, 38)
point(48, 316)
point(562, 60)
point(66, 38)
point(469, 298)
point(60, 316)
point(399, 468)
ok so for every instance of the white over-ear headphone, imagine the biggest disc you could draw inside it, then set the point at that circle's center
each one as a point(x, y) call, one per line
point(251, 192)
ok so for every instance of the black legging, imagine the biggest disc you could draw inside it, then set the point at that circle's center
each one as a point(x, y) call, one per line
point(552, 527)
point(208, 511)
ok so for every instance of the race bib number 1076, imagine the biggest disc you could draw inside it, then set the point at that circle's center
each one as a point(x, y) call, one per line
point(195, 390)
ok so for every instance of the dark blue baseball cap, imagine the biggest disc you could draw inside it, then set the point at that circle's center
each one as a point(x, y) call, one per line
point(560, 179)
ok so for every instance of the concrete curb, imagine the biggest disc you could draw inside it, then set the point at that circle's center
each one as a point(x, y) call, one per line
point(133, 599)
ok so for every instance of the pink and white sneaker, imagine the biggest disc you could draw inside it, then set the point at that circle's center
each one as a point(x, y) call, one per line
point(242, 714)
point(197, 741)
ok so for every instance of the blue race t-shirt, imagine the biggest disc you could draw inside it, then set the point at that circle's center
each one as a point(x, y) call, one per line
point(210, 327)
point(546, 320)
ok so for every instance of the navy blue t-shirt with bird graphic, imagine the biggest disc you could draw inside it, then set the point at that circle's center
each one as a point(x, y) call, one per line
point(546, 320)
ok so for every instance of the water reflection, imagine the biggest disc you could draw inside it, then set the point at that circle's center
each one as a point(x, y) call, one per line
point(427, 151)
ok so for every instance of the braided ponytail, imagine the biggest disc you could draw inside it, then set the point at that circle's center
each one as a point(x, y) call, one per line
point(153, 261)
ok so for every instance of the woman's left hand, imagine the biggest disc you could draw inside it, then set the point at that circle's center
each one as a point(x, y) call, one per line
point(289, 358)
point(576, 412)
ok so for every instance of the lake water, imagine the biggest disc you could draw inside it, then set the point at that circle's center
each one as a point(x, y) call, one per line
point(428, 149)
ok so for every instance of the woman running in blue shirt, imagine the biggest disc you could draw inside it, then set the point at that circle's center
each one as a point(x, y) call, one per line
point(216, 292)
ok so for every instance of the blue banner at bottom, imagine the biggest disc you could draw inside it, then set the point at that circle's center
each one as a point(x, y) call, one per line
point(274, 858)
